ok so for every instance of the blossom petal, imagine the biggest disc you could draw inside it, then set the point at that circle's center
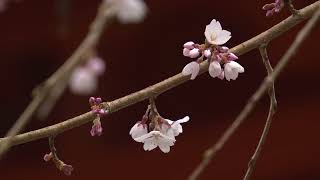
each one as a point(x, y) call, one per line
point(215, 69)
point(222, 37)
point(149, 145)
point(144, 137)
point(164, 148)
point(138, 130)
point(192, 68)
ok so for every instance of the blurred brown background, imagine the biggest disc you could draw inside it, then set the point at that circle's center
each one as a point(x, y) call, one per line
point(37, 37)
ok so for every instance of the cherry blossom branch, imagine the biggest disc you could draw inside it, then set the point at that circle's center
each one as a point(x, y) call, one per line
point(272, 110)
point(162, 86)
point(268, 81)
point(62, 73)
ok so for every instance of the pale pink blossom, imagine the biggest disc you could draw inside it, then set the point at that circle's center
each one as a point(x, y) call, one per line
point(215, 69)
point(215, 34)
point(232, 69)
point(192, 69)
point(162, 135)
point(176, 125)
point(156, 139)
point(139, 129)
point(221, 75)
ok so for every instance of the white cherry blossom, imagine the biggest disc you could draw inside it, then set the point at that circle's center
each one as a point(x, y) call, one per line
point(138, 130)
point(215, 35)
point(215, 69)
point(192, 69)
point(232, 69)
point(176, 125)
point(156, 139)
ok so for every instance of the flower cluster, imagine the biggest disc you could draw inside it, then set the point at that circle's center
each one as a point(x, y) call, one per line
point(97, 108)
point(161, 133)
point(129, 11)
point(84, 79)
point(273, 8)
point(217, 55)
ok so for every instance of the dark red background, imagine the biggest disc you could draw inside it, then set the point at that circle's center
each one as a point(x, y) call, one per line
point(34, 43)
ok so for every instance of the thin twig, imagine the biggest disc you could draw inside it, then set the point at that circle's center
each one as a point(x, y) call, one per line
point(162, 86)
point(272, 110)
point(63, 72)
point(291, 8)
point(212, 151)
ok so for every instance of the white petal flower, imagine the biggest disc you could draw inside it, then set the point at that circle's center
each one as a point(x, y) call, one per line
point(176, 125)
point(154, 139)
point(232, 69)
point(215, 35)
point(83, 81)
point(138, 130)
point(192, 68)
point(129, 11)
point(215, 69)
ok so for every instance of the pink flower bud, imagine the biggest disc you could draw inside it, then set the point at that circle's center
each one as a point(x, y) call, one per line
point(186, 52)
point(207, 53)
point(67, 169)
point(189, 45)
point(47, 157)
point(224, 49)
point(232, 57)
point(96, 129)
point(194, 53)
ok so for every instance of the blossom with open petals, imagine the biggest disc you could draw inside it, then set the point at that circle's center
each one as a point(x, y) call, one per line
point(156, 139)
point(162, 133)
point(139, 129)
point(215, 35)
point(192, 69)
point(176, 125)
point(232, 69)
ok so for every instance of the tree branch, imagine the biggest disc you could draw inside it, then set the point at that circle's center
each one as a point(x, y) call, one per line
point(272, 110)
point(160, 87)
point(211, 152)
point(63, 72)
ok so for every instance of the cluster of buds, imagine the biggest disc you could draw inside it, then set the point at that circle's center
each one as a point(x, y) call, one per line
point(98, 109)
point(84, 79)
point(273, 8)
point(212, 51)
point(159, 132)
point(65, 168)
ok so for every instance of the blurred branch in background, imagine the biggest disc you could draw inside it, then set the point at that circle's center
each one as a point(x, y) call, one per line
point(44, 90)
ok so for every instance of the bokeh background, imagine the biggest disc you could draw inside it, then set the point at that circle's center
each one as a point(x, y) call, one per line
point(38, 36)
